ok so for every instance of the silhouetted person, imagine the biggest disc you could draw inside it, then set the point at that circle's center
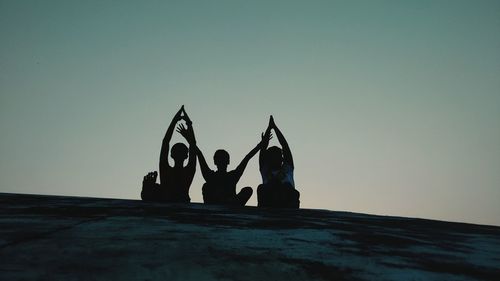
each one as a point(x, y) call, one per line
point(276, 167)
point(220, 186)
point(174, 181)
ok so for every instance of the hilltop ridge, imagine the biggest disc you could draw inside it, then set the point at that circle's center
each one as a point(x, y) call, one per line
point(61, 238)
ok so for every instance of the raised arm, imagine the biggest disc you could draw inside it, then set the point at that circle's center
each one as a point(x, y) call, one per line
point(287, 154)
point(188, 133)
point(266, 137)
point(205, 170)
point(165, 146)
point(241, 167)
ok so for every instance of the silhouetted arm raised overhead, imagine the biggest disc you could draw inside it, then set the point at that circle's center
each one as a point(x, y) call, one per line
point(188, 133)
point(287, 154)
point(205, 170)
point(241, 167)
point(266, 137)
point(165, 146)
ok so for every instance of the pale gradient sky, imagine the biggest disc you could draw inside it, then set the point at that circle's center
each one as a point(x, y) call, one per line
point(390, 107)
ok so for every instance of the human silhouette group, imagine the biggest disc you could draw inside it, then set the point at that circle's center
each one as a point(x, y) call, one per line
point(275, 165)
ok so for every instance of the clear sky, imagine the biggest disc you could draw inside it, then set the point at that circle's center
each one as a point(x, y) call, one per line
point(389, 107)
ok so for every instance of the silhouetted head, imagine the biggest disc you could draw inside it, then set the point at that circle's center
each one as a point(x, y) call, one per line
point(179, 152)
point(274, 157)
point(221, 159)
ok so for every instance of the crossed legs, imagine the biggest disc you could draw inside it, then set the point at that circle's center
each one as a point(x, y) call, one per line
point(213, 195)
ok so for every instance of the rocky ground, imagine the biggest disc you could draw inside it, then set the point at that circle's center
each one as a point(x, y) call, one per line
point(74, 238)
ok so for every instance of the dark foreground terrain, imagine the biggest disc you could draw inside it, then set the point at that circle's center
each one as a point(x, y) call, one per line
point(74, 238)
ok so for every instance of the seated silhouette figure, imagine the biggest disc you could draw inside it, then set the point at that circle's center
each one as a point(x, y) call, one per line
point(276, 168)
point(174, 181)
point(220, 186)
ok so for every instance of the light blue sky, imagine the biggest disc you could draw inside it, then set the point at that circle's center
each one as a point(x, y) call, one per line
point(390, 107)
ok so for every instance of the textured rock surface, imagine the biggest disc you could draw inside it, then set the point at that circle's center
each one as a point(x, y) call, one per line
point(73, 238)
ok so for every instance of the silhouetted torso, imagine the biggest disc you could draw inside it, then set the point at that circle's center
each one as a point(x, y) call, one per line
point(284, 175)
point(224, 182)
point(175, 183)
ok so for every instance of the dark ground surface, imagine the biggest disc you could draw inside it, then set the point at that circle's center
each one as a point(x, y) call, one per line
point(75, 238)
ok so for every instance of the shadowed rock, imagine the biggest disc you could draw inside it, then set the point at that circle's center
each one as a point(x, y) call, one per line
point(61, 238)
